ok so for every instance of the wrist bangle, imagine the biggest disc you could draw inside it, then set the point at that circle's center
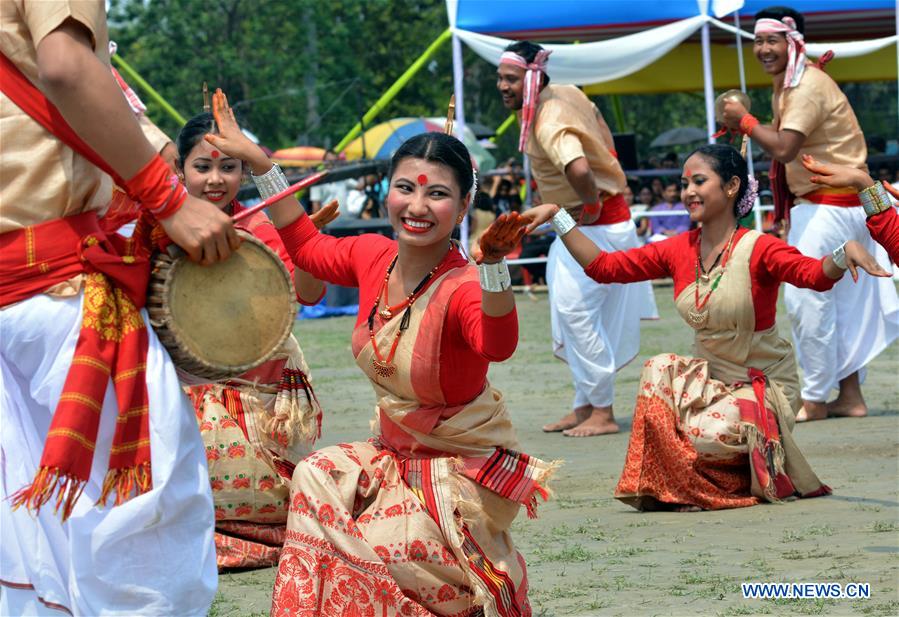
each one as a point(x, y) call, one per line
point(562, 222)
point(748, 123)
point(271, 182)
point(839, 256)
point(495, 277)
point(875, 199)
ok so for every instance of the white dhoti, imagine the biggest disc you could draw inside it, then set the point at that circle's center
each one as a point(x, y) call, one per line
point(838, 332)
point(152, 555)
point(596, 328)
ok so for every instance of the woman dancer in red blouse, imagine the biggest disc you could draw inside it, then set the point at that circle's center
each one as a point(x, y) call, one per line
point(712, 430)
point(415, 521)
point(253, 423)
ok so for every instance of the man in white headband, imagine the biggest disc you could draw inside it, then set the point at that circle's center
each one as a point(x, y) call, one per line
point(837, 332)
point(596, 328)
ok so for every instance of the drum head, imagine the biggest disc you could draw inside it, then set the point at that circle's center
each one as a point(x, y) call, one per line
point(234, 314)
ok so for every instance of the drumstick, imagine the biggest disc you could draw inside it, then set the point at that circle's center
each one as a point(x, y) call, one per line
point(290, 190)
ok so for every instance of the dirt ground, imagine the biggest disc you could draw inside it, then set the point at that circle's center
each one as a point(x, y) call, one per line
point(588, 554)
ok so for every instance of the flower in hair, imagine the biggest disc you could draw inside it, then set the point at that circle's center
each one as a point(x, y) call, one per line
point(748, 200)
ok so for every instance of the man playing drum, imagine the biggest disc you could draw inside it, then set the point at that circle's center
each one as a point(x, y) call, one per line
point(128, 530)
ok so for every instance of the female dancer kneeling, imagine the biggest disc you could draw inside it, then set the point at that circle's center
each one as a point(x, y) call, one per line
point(713, 430)
point(415, 521)
point(266, 419)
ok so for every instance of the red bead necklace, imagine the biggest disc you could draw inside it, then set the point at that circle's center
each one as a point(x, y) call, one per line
point(384, 367)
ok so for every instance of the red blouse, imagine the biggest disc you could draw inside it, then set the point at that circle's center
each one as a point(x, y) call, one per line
point(884, 228)
point(471, 339)
point(773, 262)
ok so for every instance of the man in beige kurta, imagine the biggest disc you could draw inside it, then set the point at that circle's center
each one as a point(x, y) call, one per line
point(596, 328)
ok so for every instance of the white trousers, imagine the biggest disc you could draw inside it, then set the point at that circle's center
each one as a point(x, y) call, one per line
point(596, 328)
point(838, 332)
point(152, 555)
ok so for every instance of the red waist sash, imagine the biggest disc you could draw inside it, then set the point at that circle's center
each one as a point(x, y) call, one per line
point(846, 198)
point(614, 210)
point(112, 342)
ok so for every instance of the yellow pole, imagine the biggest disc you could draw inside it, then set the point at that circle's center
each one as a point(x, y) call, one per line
point(393, 90)
point(504, 127)
point(140, 81)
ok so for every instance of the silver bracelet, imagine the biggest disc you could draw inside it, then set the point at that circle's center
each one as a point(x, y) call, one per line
point(562, 222)
point(875, 199)
point(495, 277)
point(271, 182)
point(839, 256)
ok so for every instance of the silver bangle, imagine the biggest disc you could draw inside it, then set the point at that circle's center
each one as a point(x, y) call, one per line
point(271, 182)
point(875, 199)
point(562, 222)
point(839, 256)
point(495, 277)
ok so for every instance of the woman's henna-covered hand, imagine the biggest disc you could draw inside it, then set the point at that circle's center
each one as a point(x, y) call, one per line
point(502, 237)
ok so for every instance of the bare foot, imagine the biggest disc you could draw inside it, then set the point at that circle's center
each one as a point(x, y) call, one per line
point(600, 422)
point(812, 410)
point(569, 420)
point(850, 403)
point(688, 509)
point(839, 409)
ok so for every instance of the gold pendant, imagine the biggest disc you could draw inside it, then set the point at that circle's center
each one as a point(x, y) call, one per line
point(704, 278)
point(383, 369)
point(385, 314)
point(697, 319)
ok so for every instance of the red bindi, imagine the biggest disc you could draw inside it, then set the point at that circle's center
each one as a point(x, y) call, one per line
point(688, 173)
point(215, 154)
point(422, 179)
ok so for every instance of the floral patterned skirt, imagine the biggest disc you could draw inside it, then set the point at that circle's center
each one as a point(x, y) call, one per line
point(686, 446)
point(360, 540)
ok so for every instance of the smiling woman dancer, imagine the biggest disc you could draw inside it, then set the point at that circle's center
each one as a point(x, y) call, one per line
point(713, 430)
point(415, 521)
point(266, 419)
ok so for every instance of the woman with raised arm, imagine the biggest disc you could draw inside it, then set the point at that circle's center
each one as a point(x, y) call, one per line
point(257, 426)
point(712, 430)
point(415, 521)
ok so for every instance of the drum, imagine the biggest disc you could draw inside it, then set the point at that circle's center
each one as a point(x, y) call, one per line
point(222, 320)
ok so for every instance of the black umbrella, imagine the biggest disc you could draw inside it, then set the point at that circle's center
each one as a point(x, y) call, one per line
point(679, 136)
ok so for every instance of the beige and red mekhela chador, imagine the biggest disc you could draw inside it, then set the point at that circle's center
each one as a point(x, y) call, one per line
point(712, 430)
point(415, 521)
point(256, 428)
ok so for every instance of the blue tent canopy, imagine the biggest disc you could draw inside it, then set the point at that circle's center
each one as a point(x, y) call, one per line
point(517, 18)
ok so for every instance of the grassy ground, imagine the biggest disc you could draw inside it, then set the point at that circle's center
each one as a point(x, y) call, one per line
point(588, 554)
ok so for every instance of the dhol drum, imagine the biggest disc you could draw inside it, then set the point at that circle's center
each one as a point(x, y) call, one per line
point(222, 320)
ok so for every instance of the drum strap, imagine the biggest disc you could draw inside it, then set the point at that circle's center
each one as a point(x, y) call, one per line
point(112, 343)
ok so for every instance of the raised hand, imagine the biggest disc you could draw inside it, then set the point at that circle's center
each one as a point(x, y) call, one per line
point(502, 237)
point(230, 139)
point(857, 257)
point(326, 214)
point(836, 176)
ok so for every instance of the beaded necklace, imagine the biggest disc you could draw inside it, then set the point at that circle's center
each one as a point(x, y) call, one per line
point(698, 316)
point(384, 367)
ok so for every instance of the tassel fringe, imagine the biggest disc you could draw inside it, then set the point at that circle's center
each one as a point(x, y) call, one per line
point(124, 482)
point(46, 482)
